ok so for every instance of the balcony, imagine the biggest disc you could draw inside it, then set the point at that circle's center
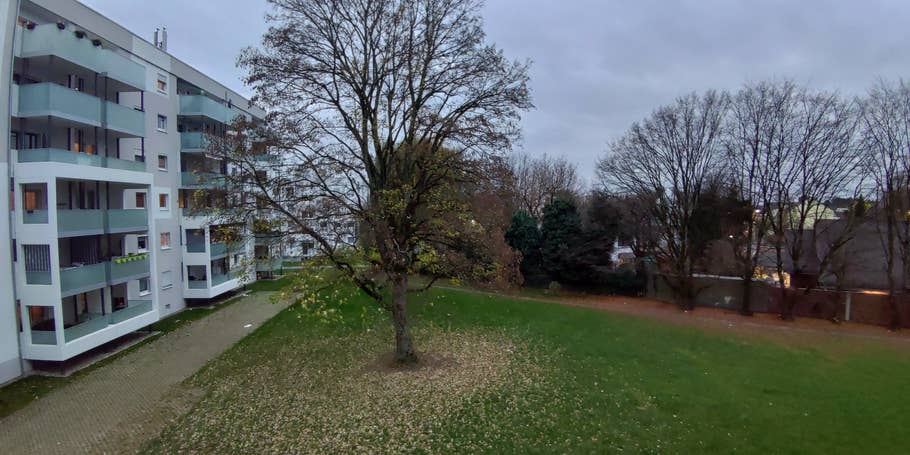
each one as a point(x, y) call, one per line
point(194, 140)
point(81, 159)
point(34, 217)
point(218, 249)
point(128, 267)
point(197, 284)
point(47, 39)
point(201, 179)
point(222, 278)
point(126, 220)
point(49, 99)
point(268, 264)
point(95, 322)
point(72, 223)
point(74, 280)
point(203, 106)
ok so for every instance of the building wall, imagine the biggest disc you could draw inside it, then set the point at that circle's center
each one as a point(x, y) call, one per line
point(10, 365)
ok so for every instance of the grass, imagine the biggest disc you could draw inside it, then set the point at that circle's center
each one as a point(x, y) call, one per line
point(505, 375)
point(17, 395)
point(269, 285)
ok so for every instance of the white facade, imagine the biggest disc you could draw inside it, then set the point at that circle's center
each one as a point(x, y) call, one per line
point(101, 150)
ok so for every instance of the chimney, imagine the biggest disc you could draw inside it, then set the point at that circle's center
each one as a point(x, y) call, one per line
point(164, 39)
point(155, 39)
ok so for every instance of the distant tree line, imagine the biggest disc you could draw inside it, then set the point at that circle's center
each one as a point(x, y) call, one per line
point(758, 169)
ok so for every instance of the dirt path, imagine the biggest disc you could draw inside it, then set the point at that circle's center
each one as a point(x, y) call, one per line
point(116, 408)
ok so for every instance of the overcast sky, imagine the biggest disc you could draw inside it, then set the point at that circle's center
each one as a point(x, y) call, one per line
point(599, 65)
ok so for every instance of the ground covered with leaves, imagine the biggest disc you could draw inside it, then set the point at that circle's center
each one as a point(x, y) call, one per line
point(502, 374)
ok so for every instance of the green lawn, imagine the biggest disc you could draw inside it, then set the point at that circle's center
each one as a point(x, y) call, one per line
point(508, 375)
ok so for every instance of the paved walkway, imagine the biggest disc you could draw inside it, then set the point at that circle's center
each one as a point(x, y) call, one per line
point(117, 407)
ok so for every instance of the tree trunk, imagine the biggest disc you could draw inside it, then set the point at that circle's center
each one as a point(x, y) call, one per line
point(404, 345)
point(746, 308)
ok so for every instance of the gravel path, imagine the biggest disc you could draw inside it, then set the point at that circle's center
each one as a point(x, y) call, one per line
point(116, 408)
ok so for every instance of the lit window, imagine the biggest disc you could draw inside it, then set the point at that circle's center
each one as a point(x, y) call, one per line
point(162, 162)
point(163, 201)
point(140, 200)
point(162, 123)
point(165, 240)
point(142, 242)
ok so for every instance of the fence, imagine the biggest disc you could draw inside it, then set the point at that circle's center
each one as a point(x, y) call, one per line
point(865, 307)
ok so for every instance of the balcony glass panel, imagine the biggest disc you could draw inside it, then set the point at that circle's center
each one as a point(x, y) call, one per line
point(129, 266)
point(125, 119)
point(219, 249)
point(48, 98)
point(201, 179)
point(47, 39)
point(82, 159)
point(134, 308)
point(193, 140)
point(44, 337)
point(221, 279)
point(197, 284)
point(79, 221)
point(267, 265)
point(38, 277)
point(34, 216)
point(83, 277)
point(200, 105)
point(94, 323)
point(128, 219)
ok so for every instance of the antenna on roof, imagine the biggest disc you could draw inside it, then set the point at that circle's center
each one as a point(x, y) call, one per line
point(162, 42)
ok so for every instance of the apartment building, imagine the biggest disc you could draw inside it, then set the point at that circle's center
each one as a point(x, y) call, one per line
point(109, 184)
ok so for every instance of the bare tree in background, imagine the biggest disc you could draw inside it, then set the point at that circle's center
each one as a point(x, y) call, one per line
point(667, 160)
point(540, 180)
point(377, 109)
point(757, 136)
point(885, 140)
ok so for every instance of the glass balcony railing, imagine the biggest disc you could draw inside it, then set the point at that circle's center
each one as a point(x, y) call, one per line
point(127, 267)
point(127, 220)
point(49, 99)
point(193, 140)
point(92, 324)
point(218, 249)
point(34, 217)
point(222, 278)
point(41, 278)
point(47, 39)
point(44, 337)
point(200, 105)
point(268, 264)
point(82, 159)
point(125, 119)
point(201, 179)
point(134, 308)
point(83, 278)
point(195, 247)
point(197, 284)
point(80, 222)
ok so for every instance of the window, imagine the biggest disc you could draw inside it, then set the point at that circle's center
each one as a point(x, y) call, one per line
point(162, 162)
point(142, 242)
point(144, 287)
point(140, 200)
point(165, 240)
point(162, 83)
point(163, 201)
point(162, 123)
point(37, 264)
point(167, 280)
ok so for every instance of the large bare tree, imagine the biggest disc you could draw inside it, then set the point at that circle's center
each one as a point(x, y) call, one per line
point(377, 110)
point(885, 139)
point(667, 161)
